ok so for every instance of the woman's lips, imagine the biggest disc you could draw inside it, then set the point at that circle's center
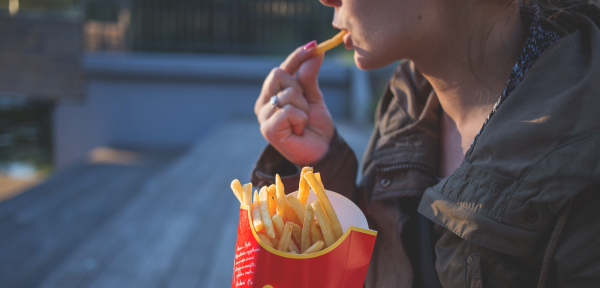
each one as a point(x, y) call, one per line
point(348, 41)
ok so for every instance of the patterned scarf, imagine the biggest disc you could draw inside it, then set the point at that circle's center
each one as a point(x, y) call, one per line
point(539, 38)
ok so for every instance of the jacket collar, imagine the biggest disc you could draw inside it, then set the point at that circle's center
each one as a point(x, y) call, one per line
point(535, 154)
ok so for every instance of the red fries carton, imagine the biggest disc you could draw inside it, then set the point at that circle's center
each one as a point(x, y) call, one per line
point(344, 264)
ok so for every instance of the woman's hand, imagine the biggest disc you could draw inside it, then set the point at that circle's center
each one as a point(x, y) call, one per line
point(302, 128)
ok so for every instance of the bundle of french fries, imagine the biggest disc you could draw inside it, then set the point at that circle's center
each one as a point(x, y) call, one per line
point(286, 222)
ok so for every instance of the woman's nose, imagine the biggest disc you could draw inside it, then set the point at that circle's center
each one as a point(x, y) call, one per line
point(331, 3)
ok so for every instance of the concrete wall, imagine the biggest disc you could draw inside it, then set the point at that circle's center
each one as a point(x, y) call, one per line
point(169, 101)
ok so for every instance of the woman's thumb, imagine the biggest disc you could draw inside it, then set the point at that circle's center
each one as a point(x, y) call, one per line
point(308, 77)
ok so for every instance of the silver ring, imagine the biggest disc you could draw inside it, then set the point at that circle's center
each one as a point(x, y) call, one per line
point(274, 102)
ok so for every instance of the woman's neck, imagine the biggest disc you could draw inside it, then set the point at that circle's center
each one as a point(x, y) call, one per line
point(468, 74)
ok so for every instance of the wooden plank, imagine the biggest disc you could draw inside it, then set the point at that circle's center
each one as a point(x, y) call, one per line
point(39, 237)
point(169, 216)
point(41, 58)
point(212, 178)
point(221, 264)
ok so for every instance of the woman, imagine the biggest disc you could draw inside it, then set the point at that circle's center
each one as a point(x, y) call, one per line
point(470, 179)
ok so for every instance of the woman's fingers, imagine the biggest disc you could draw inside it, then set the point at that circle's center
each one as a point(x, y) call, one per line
point(289, 96)
point(283, 122)
point(308, 77)
point(294, 97)
point(293, 62)
point(307, 64)
point(276, 81)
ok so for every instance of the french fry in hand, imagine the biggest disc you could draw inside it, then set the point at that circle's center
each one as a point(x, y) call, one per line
point(329, 44)
point(278, 224)
point(303, 187)
point(280, 196)
point(309, 216)
point(264, 212)
point(325, 229)
point(315, 235)
point(319, 190)
point(247, 194)
point(286, 237)
point(296, 205)
point(293, 247)
point(236, 186)
point(265, 239)
point(256, 217)
point(314, 248)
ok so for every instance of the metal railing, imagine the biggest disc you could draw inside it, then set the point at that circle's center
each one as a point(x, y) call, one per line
point(206, 26)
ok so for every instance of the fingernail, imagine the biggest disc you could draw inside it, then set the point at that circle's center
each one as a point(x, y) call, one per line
point(310, 44)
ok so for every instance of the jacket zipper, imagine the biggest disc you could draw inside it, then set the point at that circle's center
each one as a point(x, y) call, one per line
point(406, 166)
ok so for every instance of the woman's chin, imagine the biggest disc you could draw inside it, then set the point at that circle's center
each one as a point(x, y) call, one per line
point(367, 62)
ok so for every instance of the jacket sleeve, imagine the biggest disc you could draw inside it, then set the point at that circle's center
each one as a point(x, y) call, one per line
point(338, 169)
point(577, 256)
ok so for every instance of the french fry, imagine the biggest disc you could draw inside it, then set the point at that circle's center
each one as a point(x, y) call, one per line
point(264, 212)
point(325, 228)
point(315, 235)
point(293, 247)
point(265, 239)
point(318, 176)
point(272, 206)
point(291, 215)
point(275, 242)
point(288, 223)
point(280, 196)
point(329, 44)
point(309, 216)
point(314, 248)
point(256, 217)
point(272, 190)
point(319, 190)
point(296, 220)
point(297, 232)
point(278, 224)
point(296, 205)
point(236, 186)
point(272, 196)
point(248, 194)
point(303, 187)
point(286, 237)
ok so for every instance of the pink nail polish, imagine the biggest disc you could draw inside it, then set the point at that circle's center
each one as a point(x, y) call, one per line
point(310, 44)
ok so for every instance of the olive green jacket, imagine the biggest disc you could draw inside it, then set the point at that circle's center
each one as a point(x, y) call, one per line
point(502, 219)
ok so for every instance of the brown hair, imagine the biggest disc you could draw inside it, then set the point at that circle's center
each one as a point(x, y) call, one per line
point(564, 14)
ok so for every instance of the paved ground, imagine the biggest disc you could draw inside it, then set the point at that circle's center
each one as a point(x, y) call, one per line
point(138, 219)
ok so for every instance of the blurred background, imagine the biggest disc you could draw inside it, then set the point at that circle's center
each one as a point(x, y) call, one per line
point(122, 123)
